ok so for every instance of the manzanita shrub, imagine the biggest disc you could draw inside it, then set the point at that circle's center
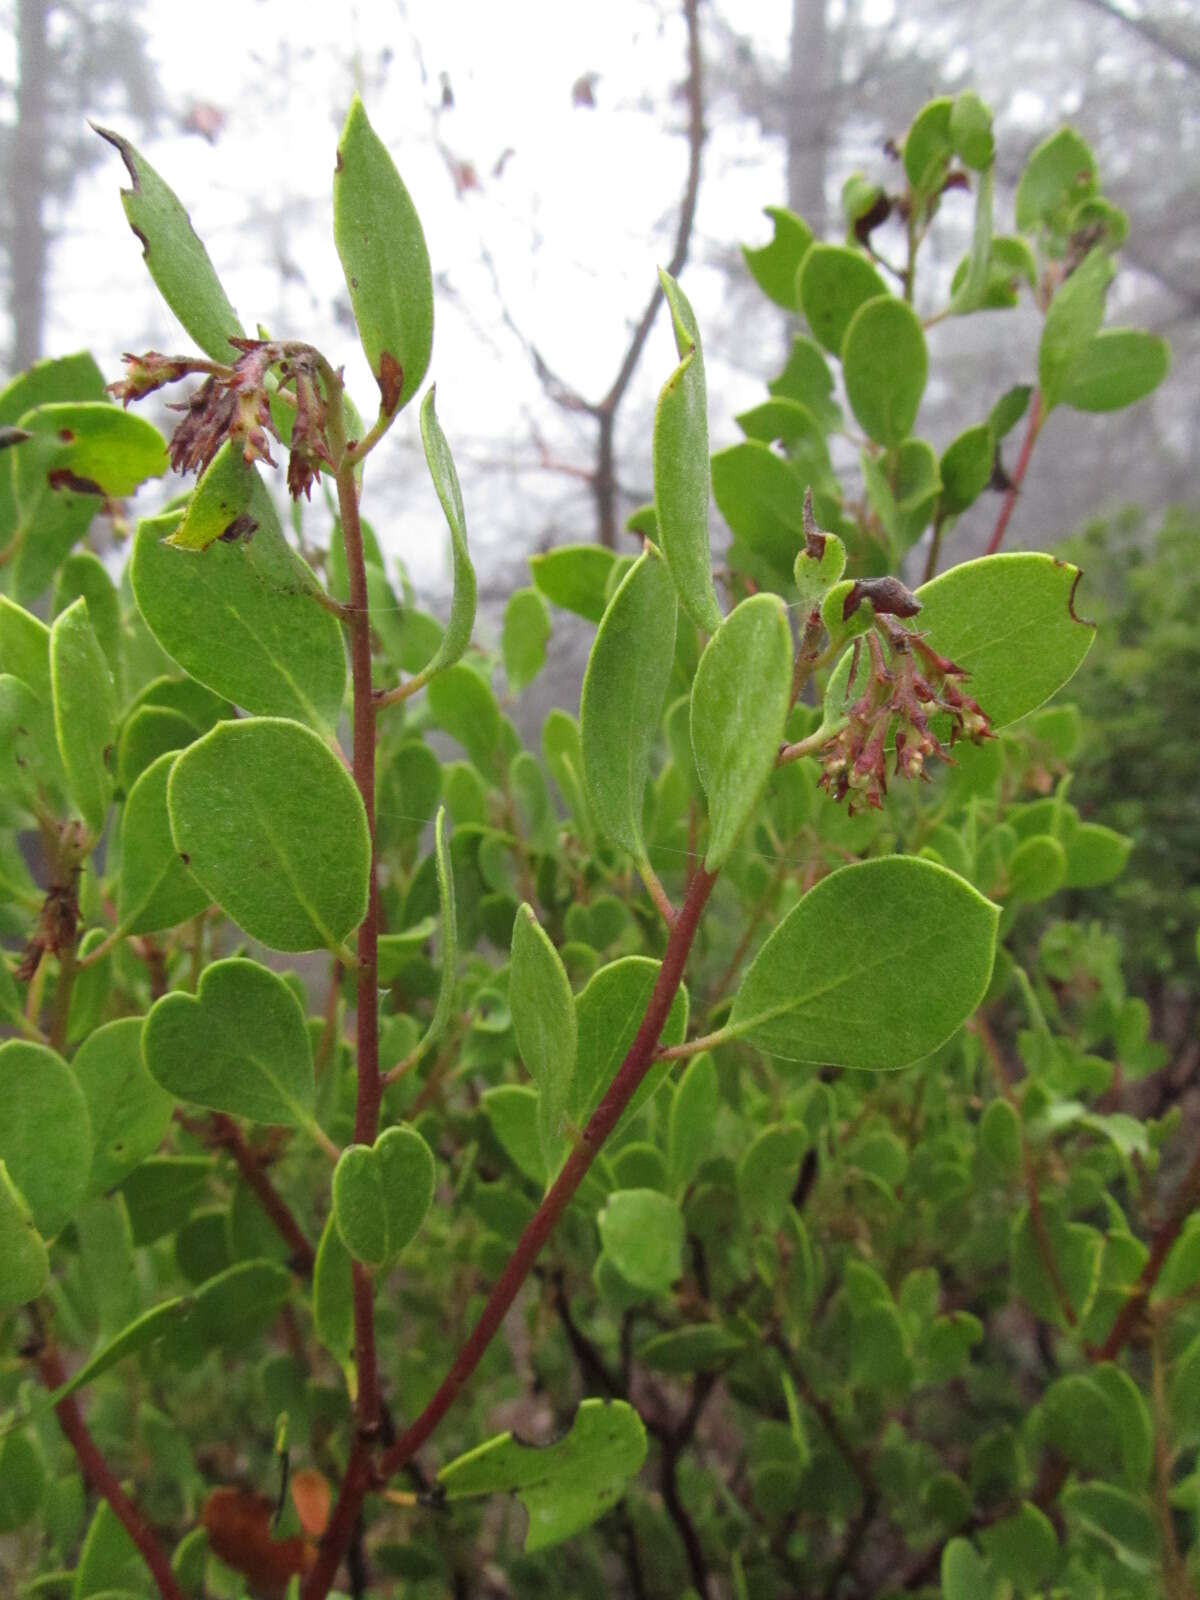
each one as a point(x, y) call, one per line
point(727, 1156)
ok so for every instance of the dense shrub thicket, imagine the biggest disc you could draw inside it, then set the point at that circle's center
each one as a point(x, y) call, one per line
point(698, 1155)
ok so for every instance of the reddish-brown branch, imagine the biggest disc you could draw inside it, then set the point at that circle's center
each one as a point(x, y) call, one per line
point(100, 1476)
point(604, 1119)
point(1160, 1246)
point(1032, 429)
point(226, 1134)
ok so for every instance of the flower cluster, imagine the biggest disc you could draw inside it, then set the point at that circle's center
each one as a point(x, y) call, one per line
point(233, 403)
point(903, 691)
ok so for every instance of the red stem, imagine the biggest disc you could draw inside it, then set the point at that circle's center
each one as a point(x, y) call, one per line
point(1032, 429)
point(1160, 1247)
point(228, 1136)
point(604, 1119)
point(99, 1475)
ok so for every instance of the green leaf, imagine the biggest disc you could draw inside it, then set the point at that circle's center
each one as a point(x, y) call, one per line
point(761, 498)
point(523, 639)
point(768, 1172)
point(965, 468)
point(740, 700)
point(563, 1486)
point(22, 1481)
point(1060, 173)
point(885, 365)
point(543, 1014)
point(1181, 1269)
point(1009, 621)
point(1037, 869)
point(24, 1262)
point(1121, 1523)
point(691, 1126)
point(233, 1309)
point(110, 1567)
point(807, 380)
point(333, 1297)
point(241, 618)
point(155, 890)
point(269, 821)
point(83, 574)
point(621, 703)
point(608, 1014)
point(512, 1113)
point(964, 1575)
point(1071, 325)
point(878, 965)
point(575, 578)
point(444, 1005)
point(457, 636)
point(85, 713)
point(463, 705)
point(219, 505)
point(642, 1232)
point(928, 147)
point(681, 468)
point(381, 1193)
point(1000, 1136)
point(409, 788)
point(159, 1195)
point(1119, 367)
point(699, 1348)
point(974, 290)
point(774, 266)
point(129, 1112)
point(971, 131)
point(145, 1330)
point(45, 1132)
point(238, 1045)
point(176, 259)
point(92, 447)
point(382, 250)
point(834, 282)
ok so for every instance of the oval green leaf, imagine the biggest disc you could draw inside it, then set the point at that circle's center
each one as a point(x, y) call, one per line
point(129, 1112)
point(154, 889)
point(1119, 366)
point(878, 965)
point(45, 1132)
point(177, 261)
point(885, 366)
point(24, 1261)
point(622, 699)
point(642, 1232)
point(238, 1045)
point(524, 637)
point(543, 1014)
point(740, 699)
point(381, 1193)
point(382, 250)
point(85, 713)
point(219, 506)
point(1071, 325)
point(834, 282)
point(241, 618)
point(269, 821)
point(681, 468)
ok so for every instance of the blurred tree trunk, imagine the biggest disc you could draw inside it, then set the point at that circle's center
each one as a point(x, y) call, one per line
point(27, 179)
point(809, 113)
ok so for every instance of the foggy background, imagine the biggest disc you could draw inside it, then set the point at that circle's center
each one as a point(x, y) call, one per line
point(557, 154)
